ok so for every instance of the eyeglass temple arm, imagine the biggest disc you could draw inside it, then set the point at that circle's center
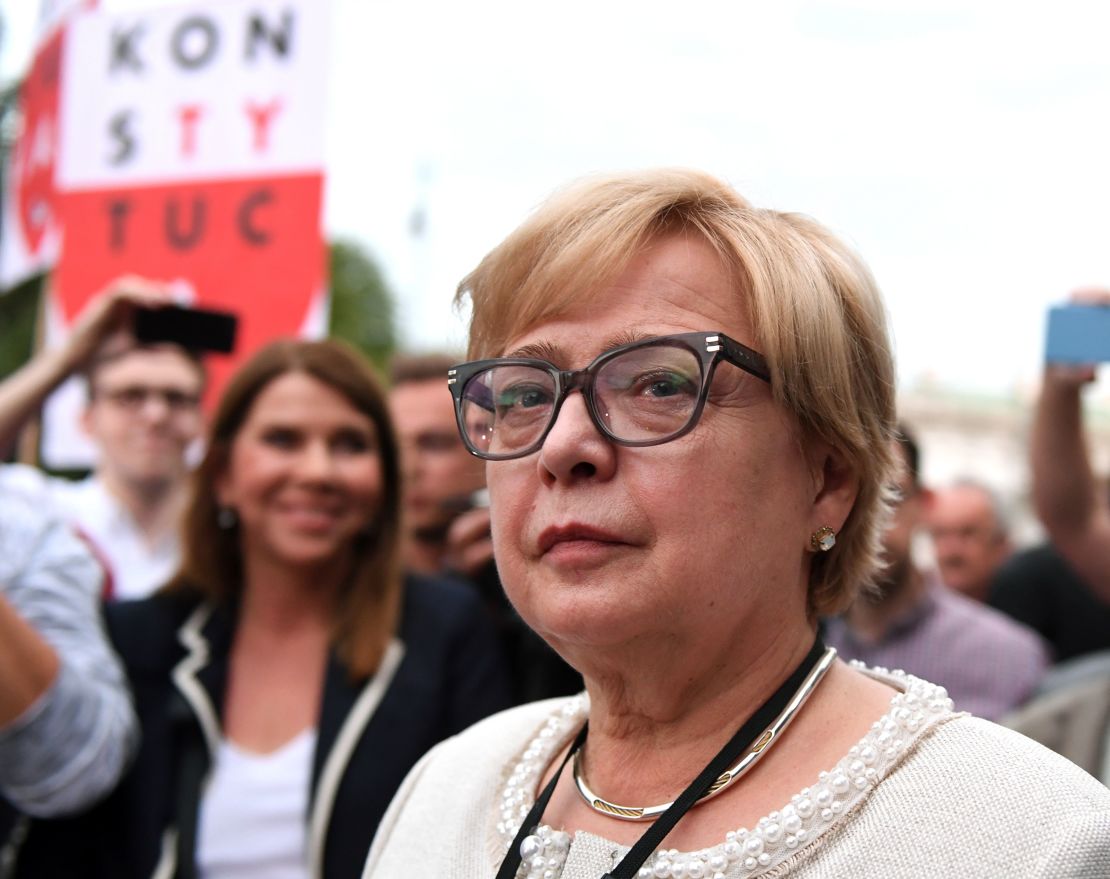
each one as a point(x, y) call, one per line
point(741, 355)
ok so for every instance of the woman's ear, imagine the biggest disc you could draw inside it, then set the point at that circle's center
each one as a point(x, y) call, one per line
point(220, 492)
point(221, 482)
point(835, 484)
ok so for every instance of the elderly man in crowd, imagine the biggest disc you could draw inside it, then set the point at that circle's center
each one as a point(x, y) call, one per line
point(970, 536)
point(142, 414)
point(1073, 505)
point(989, 663)
point(1062, 588)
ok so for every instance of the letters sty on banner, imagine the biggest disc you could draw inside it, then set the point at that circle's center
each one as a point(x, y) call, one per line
point(192, 152)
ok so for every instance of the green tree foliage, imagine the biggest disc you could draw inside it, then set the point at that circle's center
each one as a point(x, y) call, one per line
point(18, 313)
point(362, 310)
point(362, 306)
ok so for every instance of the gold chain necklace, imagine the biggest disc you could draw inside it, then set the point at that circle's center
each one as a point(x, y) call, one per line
point(726, 779)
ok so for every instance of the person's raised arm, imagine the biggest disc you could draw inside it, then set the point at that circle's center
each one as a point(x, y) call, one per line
point(67, 728)
point(1070, 501)
point(108, 315)
point(28, 665)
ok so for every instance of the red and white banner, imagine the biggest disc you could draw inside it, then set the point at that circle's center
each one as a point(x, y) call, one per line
point(30, 241)
point(192, 151)
point(53, 12)
point(31, 234)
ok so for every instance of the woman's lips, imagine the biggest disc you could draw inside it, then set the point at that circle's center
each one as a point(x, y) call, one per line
point(577, 543)
point(311, 518)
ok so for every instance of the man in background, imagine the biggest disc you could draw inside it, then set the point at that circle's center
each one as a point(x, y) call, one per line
point(440, 477)
point(447, 523)
point(1072, 504)
point(970, 536)
point(142, 414)
point(988, 663)
point(1062, 588)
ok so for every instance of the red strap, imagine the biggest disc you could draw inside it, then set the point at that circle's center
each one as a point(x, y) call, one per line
point(108, 592)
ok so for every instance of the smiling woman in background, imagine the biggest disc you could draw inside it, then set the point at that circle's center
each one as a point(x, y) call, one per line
point(288, 677)
point(687, 406)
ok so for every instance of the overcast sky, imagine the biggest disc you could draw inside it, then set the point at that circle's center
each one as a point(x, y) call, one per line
point(962, 147)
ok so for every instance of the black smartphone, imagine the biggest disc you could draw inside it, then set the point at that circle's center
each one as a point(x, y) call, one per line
point(460, 503)
point(198, 329)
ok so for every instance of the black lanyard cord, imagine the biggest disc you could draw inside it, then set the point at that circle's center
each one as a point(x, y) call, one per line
point(664, 824)
point(513, 856)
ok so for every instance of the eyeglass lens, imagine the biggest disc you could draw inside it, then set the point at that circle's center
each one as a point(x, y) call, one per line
point(136, 396)
point(642, 394)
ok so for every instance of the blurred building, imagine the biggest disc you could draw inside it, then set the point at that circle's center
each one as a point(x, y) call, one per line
point(987, 437)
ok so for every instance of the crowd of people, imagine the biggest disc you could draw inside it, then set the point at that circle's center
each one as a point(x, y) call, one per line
point(467, 618)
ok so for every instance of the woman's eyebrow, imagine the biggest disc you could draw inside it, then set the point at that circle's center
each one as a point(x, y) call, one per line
point(626, 337)
point(538, 350)
point(554, 354)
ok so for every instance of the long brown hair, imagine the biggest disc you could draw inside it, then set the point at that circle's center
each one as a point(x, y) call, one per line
point(369, 604)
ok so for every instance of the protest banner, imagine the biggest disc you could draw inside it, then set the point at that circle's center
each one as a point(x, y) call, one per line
point(30, 229)
point(192, 152)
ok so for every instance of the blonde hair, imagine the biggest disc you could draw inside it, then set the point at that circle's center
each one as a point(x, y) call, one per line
point(367, 611)
point(816, 310)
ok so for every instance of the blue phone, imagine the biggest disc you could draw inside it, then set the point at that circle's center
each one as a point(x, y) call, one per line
point(1078, 334)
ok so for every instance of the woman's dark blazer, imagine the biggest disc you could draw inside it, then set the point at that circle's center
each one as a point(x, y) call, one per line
point(441, 673)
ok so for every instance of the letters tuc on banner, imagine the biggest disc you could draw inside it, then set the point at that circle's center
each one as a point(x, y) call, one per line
point(192, 152)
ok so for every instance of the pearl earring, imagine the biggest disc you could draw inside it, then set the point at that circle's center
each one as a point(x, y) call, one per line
point(823, 539)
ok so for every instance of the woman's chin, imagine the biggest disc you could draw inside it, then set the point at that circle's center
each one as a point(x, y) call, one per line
point(574, 624)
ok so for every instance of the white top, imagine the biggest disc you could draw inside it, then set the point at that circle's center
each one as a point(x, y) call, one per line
point(252, 816)
point(927, 792)
point(136, 566)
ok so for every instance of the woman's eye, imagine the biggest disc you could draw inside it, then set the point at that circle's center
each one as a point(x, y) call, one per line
point(664, 385)
point(281, 438)
point(523, 397)
point(352, 443)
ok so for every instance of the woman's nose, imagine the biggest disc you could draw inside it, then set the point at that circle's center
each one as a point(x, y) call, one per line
point(315, 461)
point(574, 447)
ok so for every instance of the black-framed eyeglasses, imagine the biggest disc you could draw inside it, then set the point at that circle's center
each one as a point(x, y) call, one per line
point(642, 394)
point(135, 397)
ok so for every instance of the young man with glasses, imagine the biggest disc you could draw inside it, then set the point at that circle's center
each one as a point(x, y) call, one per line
point(143, 413)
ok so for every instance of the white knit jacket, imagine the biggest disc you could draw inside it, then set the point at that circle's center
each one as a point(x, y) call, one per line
point(927, 793)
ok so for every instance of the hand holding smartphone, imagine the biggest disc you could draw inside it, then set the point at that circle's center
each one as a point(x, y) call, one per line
point(198, 329)
point(469, 544)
